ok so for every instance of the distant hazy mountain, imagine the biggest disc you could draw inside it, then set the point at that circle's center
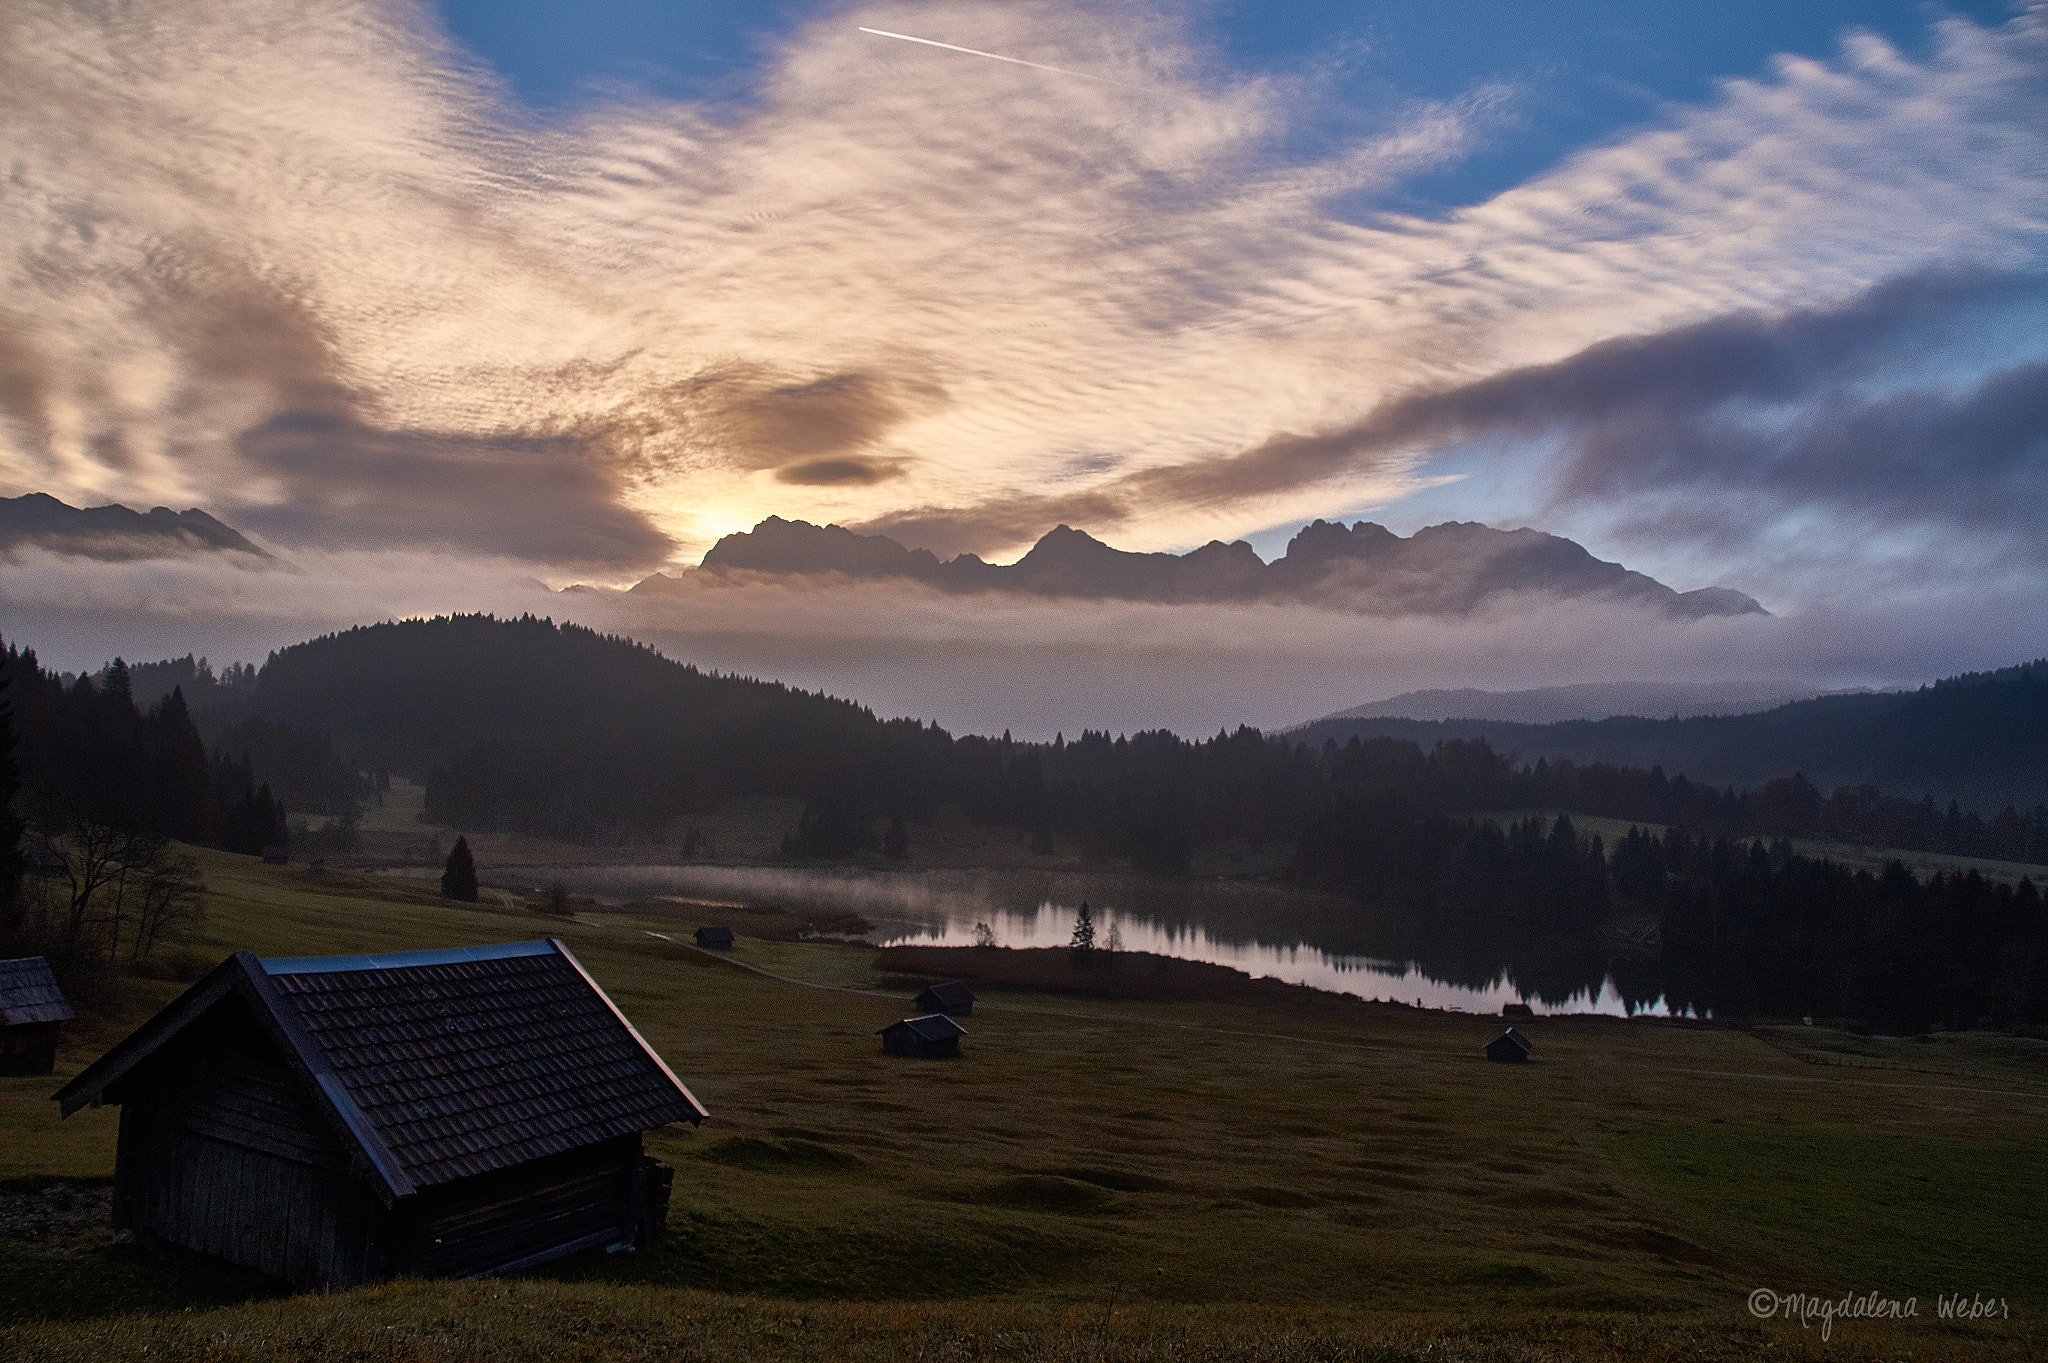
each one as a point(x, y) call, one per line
point(1981, 738)
point(1592, 700)
point(1441, 570)
point(114, 532)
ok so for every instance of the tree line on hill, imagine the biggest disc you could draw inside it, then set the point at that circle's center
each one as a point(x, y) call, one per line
point(300, 763)
point(1979, 740)
point(1749, 929)
point(529, 726)
point(1787, 807)
point(96, 791)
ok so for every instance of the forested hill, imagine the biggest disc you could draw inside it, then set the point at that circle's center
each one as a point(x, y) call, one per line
point(528, 724)
point(1980, 739)
point(555, 729)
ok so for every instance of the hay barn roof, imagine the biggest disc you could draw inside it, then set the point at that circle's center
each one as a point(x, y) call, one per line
point(29, 993)
point(935, 1027)
point(439, 1064)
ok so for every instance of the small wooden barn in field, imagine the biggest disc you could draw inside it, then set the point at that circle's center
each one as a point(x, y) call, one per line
point(930, 1037)
point(333, 1120)
point(951, 998)
point(32, 1012)
point(1510, 1047)
point(719, 939)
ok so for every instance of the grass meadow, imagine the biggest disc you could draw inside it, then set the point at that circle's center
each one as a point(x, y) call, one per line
point(1300, 1178)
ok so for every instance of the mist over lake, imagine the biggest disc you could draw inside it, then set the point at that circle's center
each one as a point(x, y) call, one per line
point(1318, 940)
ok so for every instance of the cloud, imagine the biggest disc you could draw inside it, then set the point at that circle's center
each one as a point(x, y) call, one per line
point(554, 499)
point(896, 286)
point(1874, 413)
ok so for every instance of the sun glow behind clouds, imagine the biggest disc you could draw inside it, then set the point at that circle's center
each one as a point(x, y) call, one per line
point(293, 261)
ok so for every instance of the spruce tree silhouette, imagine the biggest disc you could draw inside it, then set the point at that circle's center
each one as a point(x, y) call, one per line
point(896, 842)
point(458, 881)
point(1083, 941)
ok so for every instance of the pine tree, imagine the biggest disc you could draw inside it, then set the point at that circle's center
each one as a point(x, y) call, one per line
point(458, 881)
point(896, 842)
point(1083, 942)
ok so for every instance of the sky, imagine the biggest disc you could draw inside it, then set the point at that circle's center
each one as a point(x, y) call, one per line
point(453, 306)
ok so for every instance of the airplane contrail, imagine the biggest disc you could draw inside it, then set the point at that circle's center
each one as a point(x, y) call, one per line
point(996, 56)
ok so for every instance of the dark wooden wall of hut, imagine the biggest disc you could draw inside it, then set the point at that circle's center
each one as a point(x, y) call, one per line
point(222, 1153)
point(29, 1048)
point(531, 1212)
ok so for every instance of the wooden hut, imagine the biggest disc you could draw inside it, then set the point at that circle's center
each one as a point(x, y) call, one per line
point(930, 1037)
point(719, 939)
point(333, 1120)
point(952, 998)
point(1510, 1047)
point(32, 1012)
point(1517, 1010)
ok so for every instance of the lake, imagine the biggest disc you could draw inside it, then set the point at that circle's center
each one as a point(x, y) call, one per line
point(1318, 940)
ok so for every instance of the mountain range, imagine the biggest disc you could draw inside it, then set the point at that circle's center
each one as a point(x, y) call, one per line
point(1444, 569)
point(1447, 569)
point(1588, 700)
point(114, 532)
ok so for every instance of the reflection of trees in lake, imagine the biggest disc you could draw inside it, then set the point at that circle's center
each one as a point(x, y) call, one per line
point(1459, 950)
point(1468, 948)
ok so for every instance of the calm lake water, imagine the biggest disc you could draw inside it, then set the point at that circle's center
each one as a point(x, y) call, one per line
point(1311, 939)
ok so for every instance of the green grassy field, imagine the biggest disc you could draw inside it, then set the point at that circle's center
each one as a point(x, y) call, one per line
point(1098, 1179)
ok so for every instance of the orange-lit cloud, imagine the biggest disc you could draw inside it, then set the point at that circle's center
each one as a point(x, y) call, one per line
point(292, 260)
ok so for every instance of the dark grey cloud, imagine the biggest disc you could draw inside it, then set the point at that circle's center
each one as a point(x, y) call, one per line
point(312, 469)
point(351, 485)
point(998, 522)
point(1971, 463)
point(1809, 408)
point(817, 432)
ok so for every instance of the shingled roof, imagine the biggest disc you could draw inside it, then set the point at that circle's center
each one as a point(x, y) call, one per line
point(946, 997)
point(29, 993)
point(933, 1027)
point(440, 1064)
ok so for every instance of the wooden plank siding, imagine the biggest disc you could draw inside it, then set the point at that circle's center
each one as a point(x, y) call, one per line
point(249, 1102)
point(220, 1153)
point(29, 1048)
point(525, 1214)
point(308, 1226)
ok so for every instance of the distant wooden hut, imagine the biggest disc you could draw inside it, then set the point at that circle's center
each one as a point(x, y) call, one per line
point(32, 1012)
point(930, 1037)
point(276, 854)
point(1517, 1010)
point(951, 998)
point(333, 1120)
point(719, 939)
point(1510, 1047)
